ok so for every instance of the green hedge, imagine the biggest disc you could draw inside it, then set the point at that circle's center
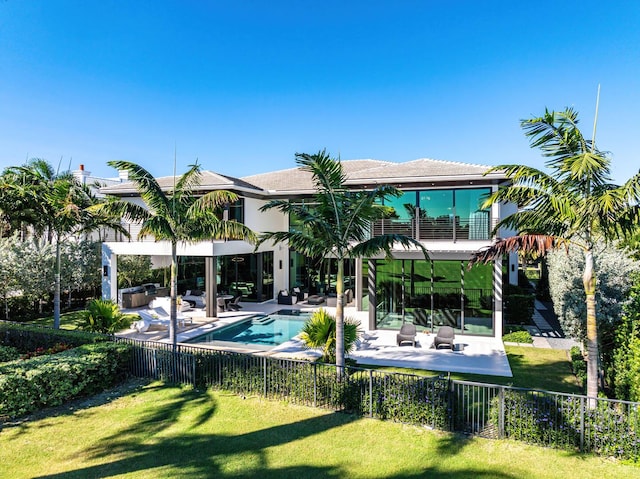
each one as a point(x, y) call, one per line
point(8, 353)
point(29, 337)
point(29, 385)
point(611, 429)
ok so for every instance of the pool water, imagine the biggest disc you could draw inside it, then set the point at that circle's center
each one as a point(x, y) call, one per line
point(263, 330)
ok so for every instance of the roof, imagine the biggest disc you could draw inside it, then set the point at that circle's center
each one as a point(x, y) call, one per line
point(209, 180)
point(358, 172)
point(296, 179)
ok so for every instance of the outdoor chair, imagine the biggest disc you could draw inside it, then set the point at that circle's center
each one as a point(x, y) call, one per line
point(407, 334)
point(444, 338)
point(285, 298)
point(222, 305)
point(234, 304)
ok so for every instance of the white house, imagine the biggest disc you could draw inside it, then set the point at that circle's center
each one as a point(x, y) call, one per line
point(440, 207)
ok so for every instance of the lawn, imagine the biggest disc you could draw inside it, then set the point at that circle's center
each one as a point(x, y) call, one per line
point(158, 431)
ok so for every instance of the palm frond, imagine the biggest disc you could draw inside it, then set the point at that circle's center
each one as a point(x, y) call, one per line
point(538, 244)
point(148, 188)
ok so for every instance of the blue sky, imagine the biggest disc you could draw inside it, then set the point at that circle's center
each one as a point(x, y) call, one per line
point(242, 86)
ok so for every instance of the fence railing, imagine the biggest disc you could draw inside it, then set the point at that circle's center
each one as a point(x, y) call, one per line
point(611, 428)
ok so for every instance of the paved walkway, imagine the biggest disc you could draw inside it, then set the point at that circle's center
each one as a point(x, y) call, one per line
point(547, 332)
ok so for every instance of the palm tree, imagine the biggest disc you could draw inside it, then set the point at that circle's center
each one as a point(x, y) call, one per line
point(177, 215)
point(574, 204)
point(337, 225)
point(319, 332)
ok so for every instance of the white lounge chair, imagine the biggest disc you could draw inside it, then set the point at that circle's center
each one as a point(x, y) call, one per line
point(158, 315)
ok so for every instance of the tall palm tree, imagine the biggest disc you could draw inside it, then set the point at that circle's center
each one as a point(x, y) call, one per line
point(573, 204)
point(177, 215)
point(337, 224)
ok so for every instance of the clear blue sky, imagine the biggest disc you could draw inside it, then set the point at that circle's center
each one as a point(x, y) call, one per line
point(244, 85)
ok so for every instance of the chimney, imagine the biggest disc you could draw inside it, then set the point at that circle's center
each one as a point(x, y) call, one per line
point(82, 175)
point(123, 175)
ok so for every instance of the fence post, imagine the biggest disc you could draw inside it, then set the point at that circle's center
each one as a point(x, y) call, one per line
point(501, 413)
point(370, 392)
point(315, 384)
point(582, 406)
point(264, 375)
point(451, 404)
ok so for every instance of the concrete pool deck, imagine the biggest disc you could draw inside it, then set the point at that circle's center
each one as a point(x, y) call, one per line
point(478, 355)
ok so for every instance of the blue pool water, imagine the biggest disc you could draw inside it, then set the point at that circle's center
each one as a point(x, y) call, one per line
point(262, 330)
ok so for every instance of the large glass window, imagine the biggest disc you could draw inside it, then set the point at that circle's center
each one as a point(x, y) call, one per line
point(437, 213)
point(432, 294)
point(478, 299)
point(472, 221)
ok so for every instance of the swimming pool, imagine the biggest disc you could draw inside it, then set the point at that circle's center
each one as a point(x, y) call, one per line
point(258, 330)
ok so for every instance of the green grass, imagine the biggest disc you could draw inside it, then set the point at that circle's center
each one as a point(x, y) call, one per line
point(70, 320)
point(166, 432)
point(535, 368)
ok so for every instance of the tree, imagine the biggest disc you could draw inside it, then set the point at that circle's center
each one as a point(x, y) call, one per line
point(614, 277)
point(337, 225)
point(626, 367)
point(176, 215)
point(319, 332)
point(55, 205)
point(574, 204)
point(133, 269)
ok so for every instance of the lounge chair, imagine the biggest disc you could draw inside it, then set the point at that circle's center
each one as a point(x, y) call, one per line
point(158, 315)
point(444, 338)
point(407, 334)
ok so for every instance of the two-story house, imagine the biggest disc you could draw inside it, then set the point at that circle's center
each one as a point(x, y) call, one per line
point(440, 206)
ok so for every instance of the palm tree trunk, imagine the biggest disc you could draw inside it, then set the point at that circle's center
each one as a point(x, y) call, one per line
point(340, 317)
point(56, 290)
point(173, 323)
point(589, 281)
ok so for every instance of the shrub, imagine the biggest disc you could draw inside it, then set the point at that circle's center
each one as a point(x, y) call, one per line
point(57, 348)
point(521, 336)
point(319, 332)
point(8, 353)
point(557, 421)
point(104, 316)
point(578, 364)
point(51, 380)
point(518, 308)
point(26, 338)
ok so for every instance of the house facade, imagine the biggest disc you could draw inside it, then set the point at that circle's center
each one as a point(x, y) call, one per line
point(440, 206)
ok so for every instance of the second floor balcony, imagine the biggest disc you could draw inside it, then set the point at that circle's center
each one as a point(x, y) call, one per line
point(477, 226)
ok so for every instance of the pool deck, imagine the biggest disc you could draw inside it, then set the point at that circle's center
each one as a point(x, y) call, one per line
point(477, 355)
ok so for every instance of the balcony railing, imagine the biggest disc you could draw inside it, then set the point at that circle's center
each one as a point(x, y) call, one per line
point(476, 227)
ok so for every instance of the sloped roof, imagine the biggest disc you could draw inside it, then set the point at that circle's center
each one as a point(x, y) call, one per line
point(209, 180)
point(418, 169)
point(296, 179)
point(358, 172)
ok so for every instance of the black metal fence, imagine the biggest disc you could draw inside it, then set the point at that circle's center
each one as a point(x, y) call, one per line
point(602, 426)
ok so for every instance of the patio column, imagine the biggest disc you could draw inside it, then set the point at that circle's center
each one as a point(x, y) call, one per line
point(497, 291)
point(371, 281)
point(211, 286)
point(109, 273)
